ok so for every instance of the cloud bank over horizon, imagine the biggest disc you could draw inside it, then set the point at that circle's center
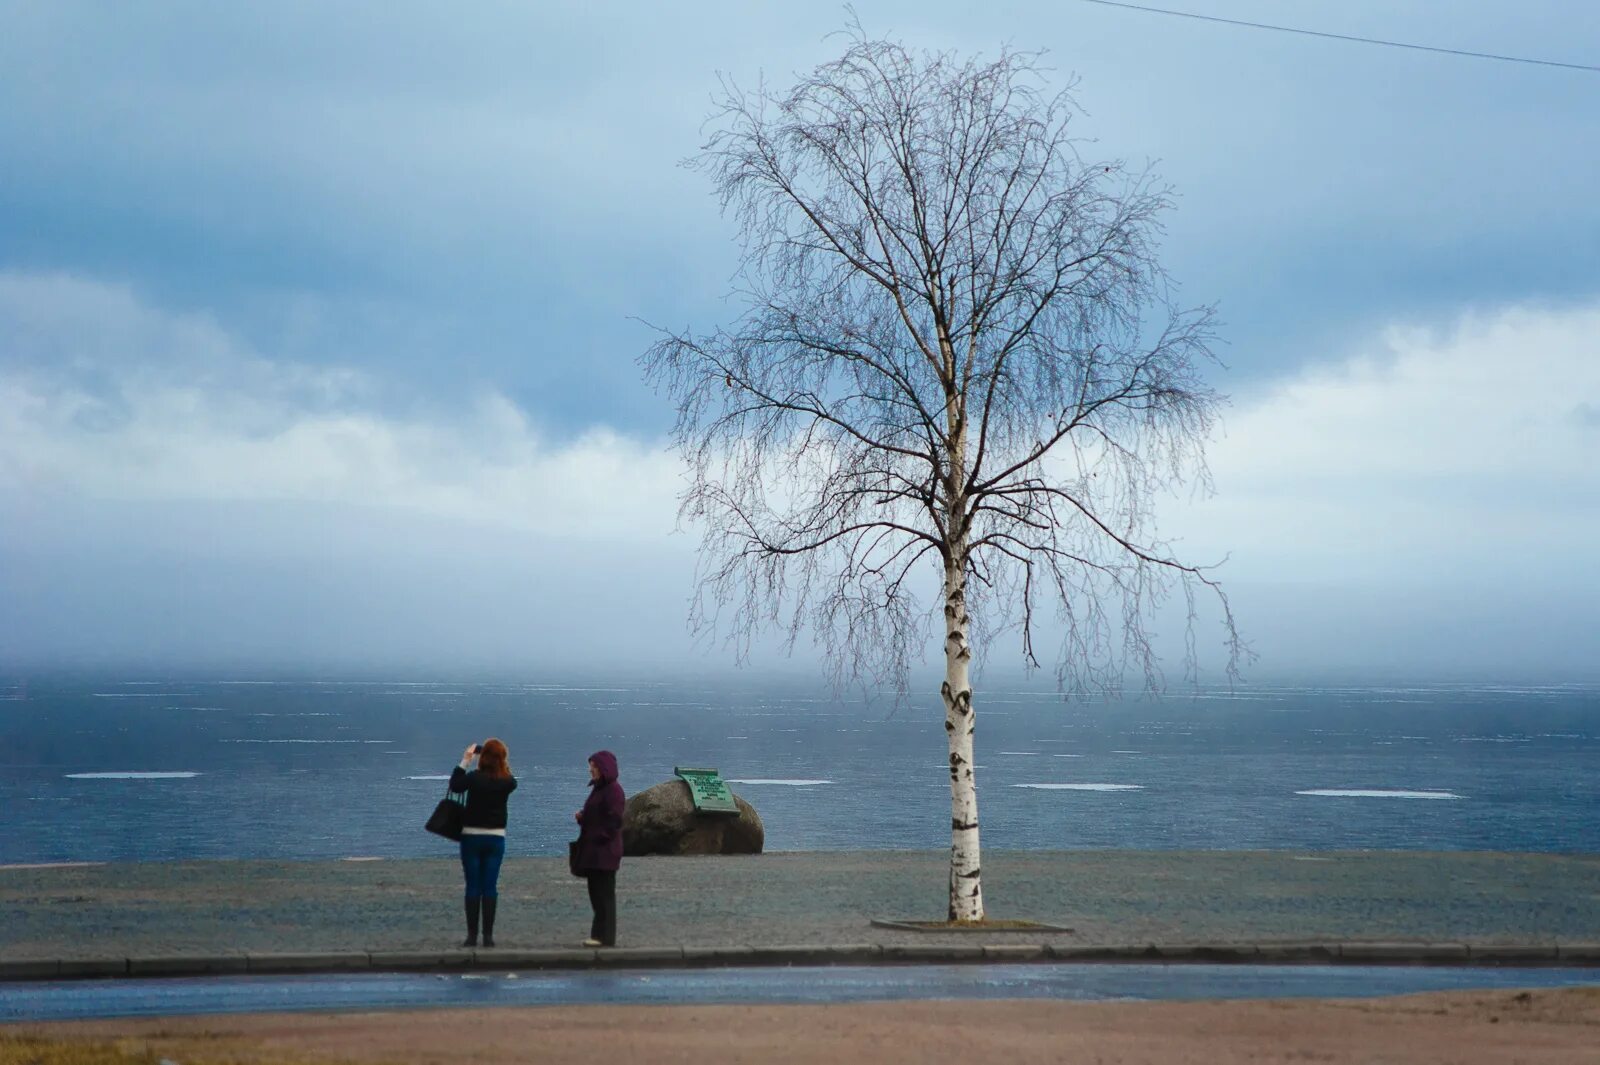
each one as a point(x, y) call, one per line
point(172, 494)
point(318, 326)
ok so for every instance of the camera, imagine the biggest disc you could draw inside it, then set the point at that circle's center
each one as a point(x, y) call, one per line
point(477, 748)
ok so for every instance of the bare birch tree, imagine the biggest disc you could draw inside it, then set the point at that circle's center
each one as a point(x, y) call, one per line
point(958, 358)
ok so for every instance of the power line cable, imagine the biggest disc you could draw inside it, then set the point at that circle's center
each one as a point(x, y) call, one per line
point(1346, 37)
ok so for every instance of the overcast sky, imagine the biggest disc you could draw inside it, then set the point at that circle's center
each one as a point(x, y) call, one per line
point(318, 322)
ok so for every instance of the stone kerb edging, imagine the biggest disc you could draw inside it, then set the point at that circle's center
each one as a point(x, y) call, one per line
point(1264, 953)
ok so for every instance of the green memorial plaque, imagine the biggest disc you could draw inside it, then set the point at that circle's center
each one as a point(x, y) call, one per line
point(708, 791)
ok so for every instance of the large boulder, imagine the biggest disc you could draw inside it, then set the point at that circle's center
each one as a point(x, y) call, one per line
point(662, 820)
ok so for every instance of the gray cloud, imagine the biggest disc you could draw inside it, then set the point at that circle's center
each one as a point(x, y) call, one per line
point(315, 336)
point(489, 198)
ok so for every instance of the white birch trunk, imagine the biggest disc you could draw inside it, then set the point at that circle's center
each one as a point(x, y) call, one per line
point(966, 882)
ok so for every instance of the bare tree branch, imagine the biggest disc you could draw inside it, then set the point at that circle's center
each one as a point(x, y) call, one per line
point(958, 361)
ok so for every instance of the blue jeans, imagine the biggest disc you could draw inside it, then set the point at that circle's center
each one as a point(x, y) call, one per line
point(480, 861)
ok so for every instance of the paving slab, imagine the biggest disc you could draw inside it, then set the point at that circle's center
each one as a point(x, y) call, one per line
point(725, 910)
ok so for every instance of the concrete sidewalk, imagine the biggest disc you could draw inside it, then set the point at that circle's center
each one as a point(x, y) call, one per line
point(255, 916)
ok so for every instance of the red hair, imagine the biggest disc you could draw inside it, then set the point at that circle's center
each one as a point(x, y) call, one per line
point(493, 760)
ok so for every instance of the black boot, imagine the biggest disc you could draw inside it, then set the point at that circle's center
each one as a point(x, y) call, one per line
point(488, 919)
point(472, 922)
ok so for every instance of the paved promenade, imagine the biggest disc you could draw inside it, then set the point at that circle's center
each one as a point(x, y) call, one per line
point(1264, 906)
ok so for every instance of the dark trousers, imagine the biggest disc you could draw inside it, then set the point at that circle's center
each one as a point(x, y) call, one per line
point(603, 897)
point(480, 862)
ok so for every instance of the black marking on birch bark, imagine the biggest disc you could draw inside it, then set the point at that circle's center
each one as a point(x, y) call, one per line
point(973, 875)
point(962, 826)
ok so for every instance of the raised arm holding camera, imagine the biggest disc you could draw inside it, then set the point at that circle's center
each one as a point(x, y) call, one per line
point(483, 832)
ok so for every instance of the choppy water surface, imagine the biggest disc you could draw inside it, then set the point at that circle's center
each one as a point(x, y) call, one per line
point(117, 769)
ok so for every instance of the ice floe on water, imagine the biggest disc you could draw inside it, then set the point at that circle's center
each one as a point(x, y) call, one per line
point(50, 865)
point(131, 776)
point(1082, 787)
point(1376, 793)
point(305, 741)
point(140, 695)
point(775, 780)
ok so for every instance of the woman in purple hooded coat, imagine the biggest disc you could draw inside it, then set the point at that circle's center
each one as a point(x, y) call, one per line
point(600, 846)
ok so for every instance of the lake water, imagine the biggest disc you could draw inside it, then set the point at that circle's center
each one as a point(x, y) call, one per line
point(120, 769)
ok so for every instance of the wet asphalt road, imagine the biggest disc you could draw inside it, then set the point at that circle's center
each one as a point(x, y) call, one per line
point(77, 1000)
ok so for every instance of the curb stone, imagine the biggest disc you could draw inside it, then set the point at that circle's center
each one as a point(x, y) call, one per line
point(935, 952)
point(1419, 953)
point(1079, 952)
point(556, 958)
point(406, 959)
point(1285, 952)
point(1577, 954)
point(639, 956)
point(186, 965)
point(1514, 952)
point(307, 962)
point(93, 967)
point(1014, 951)
point(1213, 952)
point(815, 954)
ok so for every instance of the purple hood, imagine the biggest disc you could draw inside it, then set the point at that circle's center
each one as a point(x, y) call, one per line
point(600, 838)
point(606, 762)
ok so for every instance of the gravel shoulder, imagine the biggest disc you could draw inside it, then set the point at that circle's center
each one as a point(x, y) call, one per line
point(1533, 1028)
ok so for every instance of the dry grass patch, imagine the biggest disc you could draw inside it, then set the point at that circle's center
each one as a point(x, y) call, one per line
point(154, 1049)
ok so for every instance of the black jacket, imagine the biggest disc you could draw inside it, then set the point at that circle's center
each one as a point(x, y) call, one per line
point(486, 797)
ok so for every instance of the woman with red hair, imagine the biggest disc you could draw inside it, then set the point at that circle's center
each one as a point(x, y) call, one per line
point(483, 832)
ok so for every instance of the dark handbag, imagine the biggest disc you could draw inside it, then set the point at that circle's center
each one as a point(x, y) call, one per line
point(447, 817)
point(572, 858)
